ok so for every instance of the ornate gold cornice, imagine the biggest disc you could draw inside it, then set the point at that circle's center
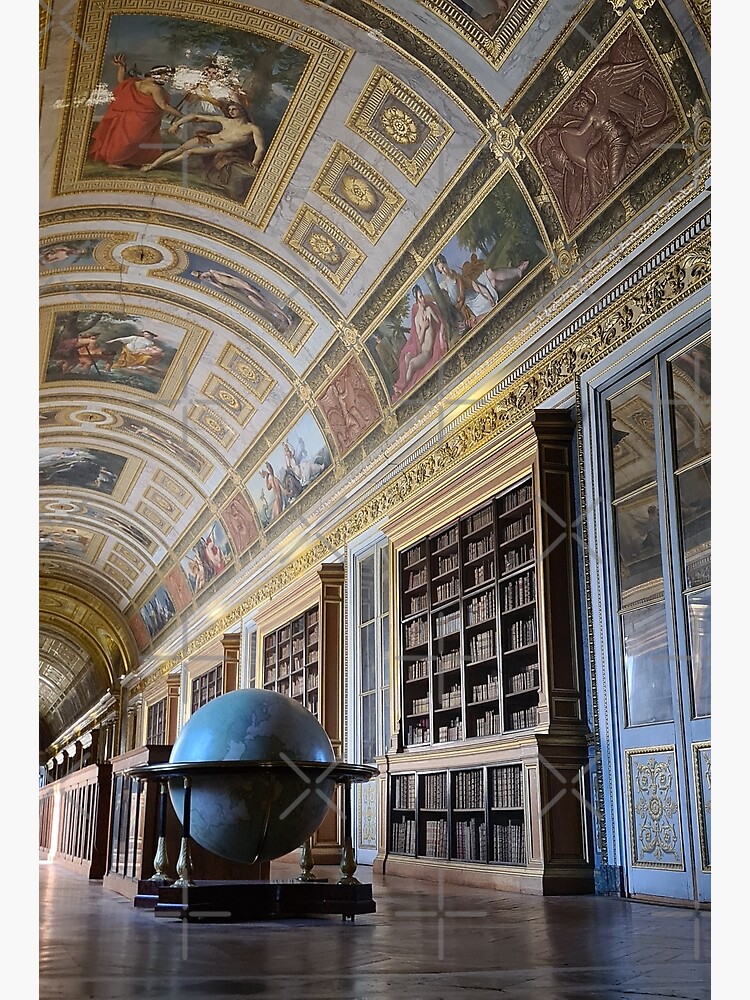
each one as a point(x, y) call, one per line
point(642, 297)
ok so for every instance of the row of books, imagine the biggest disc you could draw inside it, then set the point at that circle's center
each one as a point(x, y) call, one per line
point(404, 836)
point(404, 791)
point(482, 646)
point(418, 733)
point(479, 520)
point(414, 556)
point(506, 786)
point(436, 838)
point(490, 689)
point(519, 527)
point(521, 633)
point(489, 724)
point(518, 557)
point(450, 537)
point(420, 706)
point(452, 698)
point(447, 624)
point(524, 680)
point(418, 579)
point(481, 547)
point(519, 591)
point(453, 731)
point(418, 603)
point(516, 497)
point(435, 791)
point(448, 564)
point(523, 718)
point(415, 633)
point(468, 790)
point(470, 840)
point(444, 591)
point(416, 670)
point(481, 608)
point(508, 845)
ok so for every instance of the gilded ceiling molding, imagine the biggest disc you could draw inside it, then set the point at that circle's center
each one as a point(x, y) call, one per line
point(326, 64)
point(322, 244)
point(506, 138)
point(45, 24)
point(399, 124)
point(165, 505)
point(247, 371)
point(701, 11)
point(292, 335)
point(639, 300)
point(358, 191)
point(183, 496)
point(154, 518)
point(205, 418)
point(427, 56)
point(231, 401)
point(114, 569)
point(494, 36)
point(165, 219)
point(97, 624)
point(129, 556)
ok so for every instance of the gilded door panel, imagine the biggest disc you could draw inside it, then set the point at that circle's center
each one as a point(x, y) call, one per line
point(654, 809)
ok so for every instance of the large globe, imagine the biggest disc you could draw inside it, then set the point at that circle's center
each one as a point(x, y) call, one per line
point(253, 813)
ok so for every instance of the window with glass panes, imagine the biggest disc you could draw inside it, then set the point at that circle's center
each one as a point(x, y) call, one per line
point(206, 687)
point(373, 651)
point(660, 456)
point(156, 722)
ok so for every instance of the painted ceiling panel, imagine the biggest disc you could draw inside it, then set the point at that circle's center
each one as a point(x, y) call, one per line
point(276, 236)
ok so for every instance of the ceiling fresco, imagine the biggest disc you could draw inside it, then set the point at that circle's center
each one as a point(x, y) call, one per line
point(275, 238)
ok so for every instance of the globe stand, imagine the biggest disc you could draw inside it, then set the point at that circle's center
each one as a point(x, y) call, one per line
point(348, 859)
point(306, 863)
point(235, 901)
point(161, 860)
point(185, 862)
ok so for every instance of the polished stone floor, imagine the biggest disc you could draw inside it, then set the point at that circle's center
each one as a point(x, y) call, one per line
point(426, 942)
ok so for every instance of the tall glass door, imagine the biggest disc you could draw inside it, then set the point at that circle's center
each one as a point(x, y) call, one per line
point(369, 688)
point(656, 426)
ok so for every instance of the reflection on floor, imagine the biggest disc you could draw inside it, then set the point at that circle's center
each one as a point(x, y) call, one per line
point(427, 941)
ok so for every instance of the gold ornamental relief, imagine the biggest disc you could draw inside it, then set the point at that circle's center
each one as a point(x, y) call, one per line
point(358, 191)
point(140, 254)
point(322, 244)
point(204, 417)
point(229, 400)
point(653, 808)
point(247, 371)
point(399, 124)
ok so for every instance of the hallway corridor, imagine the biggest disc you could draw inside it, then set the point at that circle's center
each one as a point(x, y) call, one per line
point(422, 944)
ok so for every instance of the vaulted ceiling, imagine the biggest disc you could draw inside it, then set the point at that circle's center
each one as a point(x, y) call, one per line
point(231, 338)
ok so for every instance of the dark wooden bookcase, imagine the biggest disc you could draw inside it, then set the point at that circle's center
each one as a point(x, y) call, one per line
point(487, 685)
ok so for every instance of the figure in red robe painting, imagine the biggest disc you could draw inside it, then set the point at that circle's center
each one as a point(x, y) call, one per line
point(426, 344)
point(129, 134)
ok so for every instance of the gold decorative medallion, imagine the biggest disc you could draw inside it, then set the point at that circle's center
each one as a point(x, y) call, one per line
point(229, 400)
point(163, 503)
point(399, 124)
point(245, 370)
point(205, 417)
point(358, 191)
point(324, 246)
point(138, 253)
point(181, 495)
point(154, 517)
